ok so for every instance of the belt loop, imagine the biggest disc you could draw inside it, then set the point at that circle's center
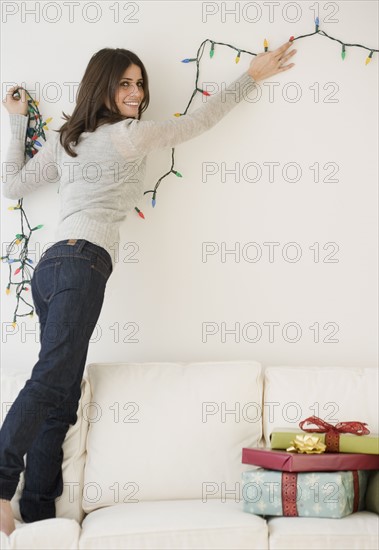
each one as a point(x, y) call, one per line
point(82, 243)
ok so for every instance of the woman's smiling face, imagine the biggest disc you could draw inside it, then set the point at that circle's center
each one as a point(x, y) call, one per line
point(130, 93)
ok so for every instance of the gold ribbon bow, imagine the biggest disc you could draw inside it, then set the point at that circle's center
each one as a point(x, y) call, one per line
point(309, 444)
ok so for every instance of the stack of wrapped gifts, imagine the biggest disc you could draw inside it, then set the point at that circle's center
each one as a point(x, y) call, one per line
point(319, 472)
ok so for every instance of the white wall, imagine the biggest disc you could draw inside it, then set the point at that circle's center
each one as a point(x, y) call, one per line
point(169, 293)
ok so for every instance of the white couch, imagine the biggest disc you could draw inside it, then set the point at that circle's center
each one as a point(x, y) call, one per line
point(154, 460)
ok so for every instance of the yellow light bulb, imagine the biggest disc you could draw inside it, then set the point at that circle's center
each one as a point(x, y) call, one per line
point(368, 59)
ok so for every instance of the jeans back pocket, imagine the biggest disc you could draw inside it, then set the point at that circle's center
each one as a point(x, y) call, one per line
point(45, 278)
point(100, 266)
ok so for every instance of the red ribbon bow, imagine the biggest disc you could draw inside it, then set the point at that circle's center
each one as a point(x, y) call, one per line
point(357, 428)
point(333, 432)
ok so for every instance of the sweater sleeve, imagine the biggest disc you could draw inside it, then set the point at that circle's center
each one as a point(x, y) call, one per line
point(21, 177)
point(146, 136)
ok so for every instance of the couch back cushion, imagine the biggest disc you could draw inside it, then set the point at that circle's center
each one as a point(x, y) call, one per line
point(69, 504)
point(161, 431)
point(335, 394)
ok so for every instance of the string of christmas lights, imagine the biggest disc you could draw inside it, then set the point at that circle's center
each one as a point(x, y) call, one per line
point(197, 59)
point(36, 129)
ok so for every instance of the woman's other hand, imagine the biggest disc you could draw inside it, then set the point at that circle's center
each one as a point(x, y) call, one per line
point(267, 64)
point(16, 104)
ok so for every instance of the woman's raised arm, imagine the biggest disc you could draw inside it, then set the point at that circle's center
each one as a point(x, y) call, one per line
point(146, 136)
point(142, 137)
point(20, 177)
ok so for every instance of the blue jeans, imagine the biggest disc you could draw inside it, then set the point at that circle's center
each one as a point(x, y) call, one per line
point(68, 287)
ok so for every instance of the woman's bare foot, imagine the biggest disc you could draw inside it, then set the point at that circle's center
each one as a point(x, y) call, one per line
point(7, 524)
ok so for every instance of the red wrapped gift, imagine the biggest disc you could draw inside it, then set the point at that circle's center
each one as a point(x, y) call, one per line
point(295, 462)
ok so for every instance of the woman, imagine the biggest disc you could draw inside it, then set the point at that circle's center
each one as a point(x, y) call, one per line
point(98, 156)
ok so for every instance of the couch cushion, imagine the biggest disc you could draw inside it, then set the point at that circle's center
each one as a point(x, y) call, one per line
point(358, 531)
point(174, 524)
point(169, 430)
point(69, 504)
point(52, 534)
point(336, 394)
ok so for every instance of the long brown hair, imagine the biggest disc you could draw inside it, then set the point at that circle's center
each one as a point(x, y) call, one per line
point(100, 81)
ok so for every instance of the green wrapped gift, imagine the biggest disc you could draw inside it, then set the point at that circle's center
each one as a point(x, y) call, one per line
point(372, 494)
point(348, 443)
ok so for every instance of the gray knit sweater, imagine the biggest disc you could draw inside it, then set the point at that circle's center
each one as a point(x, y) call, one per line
point(105, 181)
